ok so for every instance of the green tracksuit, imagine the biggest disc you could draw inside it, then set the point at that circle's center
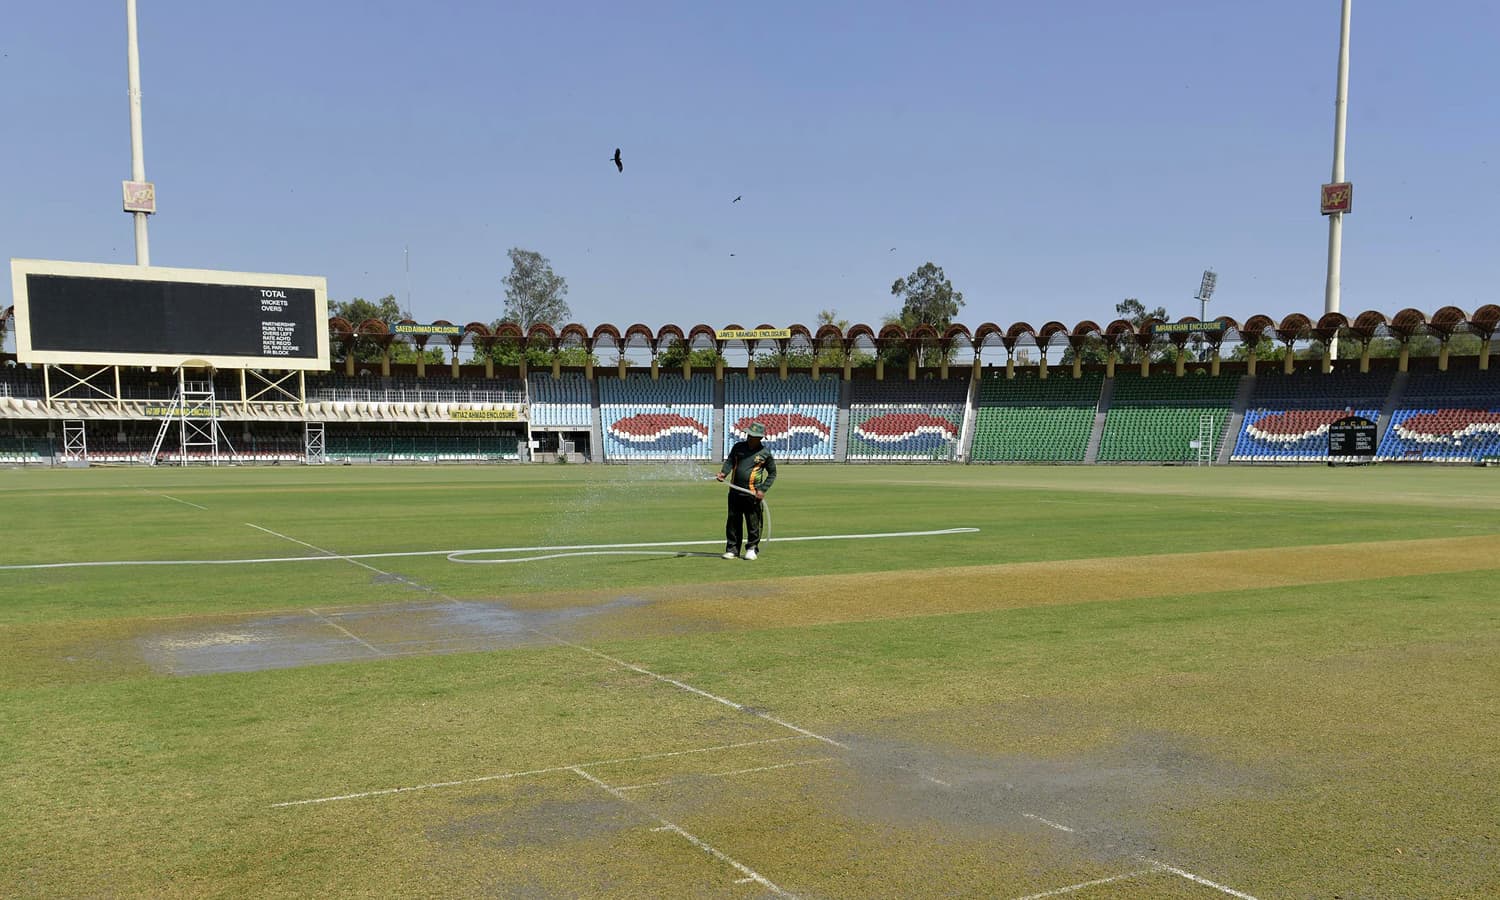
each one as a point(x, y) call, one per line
point(753, 470)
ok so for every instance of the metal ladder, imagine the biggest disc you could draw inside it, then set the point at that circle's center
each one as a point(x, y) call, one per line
point(314, 444)
point(75, 441)
point(196, 412)
point(1207, 433)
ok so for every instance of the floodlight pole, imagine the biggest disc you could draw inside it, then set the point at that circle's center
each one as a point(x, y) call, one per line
point(1340, 118)
point(137, 144)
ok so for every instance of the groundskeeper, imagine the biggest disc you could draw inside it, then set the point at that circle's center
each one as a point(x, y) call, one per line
point(751, 468)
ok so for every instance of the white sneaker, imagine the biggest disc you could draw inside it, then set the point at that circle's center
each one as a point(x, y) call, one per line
point(751, 554)
point(728, 554)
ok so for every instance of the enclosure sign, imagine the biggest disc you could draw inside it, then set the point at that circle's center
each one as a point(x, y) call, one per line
point(500, 415)
point(1217, 325)
point(1351, 436)
point(414, 328)
point(1338, 198)
point(191, 412)
point(753, 334)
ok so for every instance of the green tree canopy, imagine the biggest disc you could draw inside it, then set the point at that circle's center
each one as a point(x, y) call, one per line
point(927, 298)
point(677, 351)
point(829, 354)
point(356, 311)
point(533, 292)
point(538, 354)
point(1135, 312)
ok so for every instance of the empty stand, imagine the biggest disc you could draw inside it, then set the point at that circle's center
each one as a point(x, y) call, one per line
point(1159, 419)
point(1287, 416)
point(421, 445)
point(559, 402)
point(1034, 419)
point(800, 414)
point(665, 418)
point(409, 389)
point(1445, 417)
point(906, 420)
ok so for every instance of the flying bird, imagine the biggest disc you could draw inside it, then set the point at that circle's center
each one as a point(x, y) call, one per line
point(618, 164)
point(735, 200)
point(893, 250)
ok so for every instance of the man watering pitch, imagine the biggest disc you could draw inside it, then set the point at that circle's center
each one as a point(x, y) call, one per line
point(751, 470)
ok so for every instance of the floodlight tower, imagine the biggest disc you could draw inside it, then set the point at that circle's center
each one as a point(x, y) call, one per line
point(1338, 195)
point(1206, 292)
point(140, 195)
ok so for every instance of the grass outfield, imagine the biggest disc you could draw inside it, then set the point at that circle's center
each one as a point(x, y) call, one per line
point(1143, 682)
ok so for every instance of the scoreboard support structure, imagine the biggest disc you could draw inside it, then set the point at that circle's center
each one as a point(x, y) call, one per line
point(195, 410)
point(101, 384)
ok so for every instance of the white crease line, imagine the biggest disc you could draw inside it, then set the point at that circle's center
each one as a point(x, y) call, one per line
point(702, 693)
point(507, 775)
point(328, 621)
point(1182, 873)
point(1086, 884)
point(1198, 879)
point(329, 553)
point(188, 502)
point(619, 662)
point(1049, 823)
point(740, 867)
point(690, 778)
point(354, 557)
point(934, 780)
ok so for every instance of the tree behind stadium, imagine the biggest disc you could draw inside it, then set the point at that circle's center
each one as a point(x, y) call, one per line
point(533, 292)
point(928, 298)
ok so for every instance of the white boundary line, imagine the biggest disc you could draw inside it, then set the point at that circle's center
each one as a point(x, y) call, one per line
point(1087, 884)
point(508, 775)
point(673, 827)
point(355, 557)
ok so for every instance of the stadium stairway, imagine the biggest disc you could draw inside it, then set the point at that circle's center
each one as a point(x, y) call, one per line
point(971, 411)
point(596, 423)
point(716, 448)
point(1106, 393)
point(1236, 420)
point(841, 427)
point(1392, 403)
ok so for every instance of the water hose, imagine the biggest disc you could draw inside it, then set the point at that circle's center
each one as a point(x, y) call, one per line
point(765, 511)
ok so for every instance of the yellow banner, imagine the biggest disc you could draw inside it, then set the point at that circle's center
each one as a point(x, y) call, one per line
point(402, 328)
point(752, 334)
point(504, 415)
point(192, 412)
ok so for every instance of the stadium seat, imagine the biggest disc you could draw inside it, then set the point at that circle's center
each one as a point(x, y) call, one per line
point(1033, 419)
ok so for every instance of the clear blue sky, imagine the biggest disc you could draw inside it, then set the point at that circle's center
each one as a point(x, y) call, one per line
point(1052, 157)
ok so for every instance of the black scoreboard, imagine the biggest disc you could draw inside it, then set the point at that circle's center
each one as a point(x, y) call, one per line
point(1351, 436)
point(137, 316)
